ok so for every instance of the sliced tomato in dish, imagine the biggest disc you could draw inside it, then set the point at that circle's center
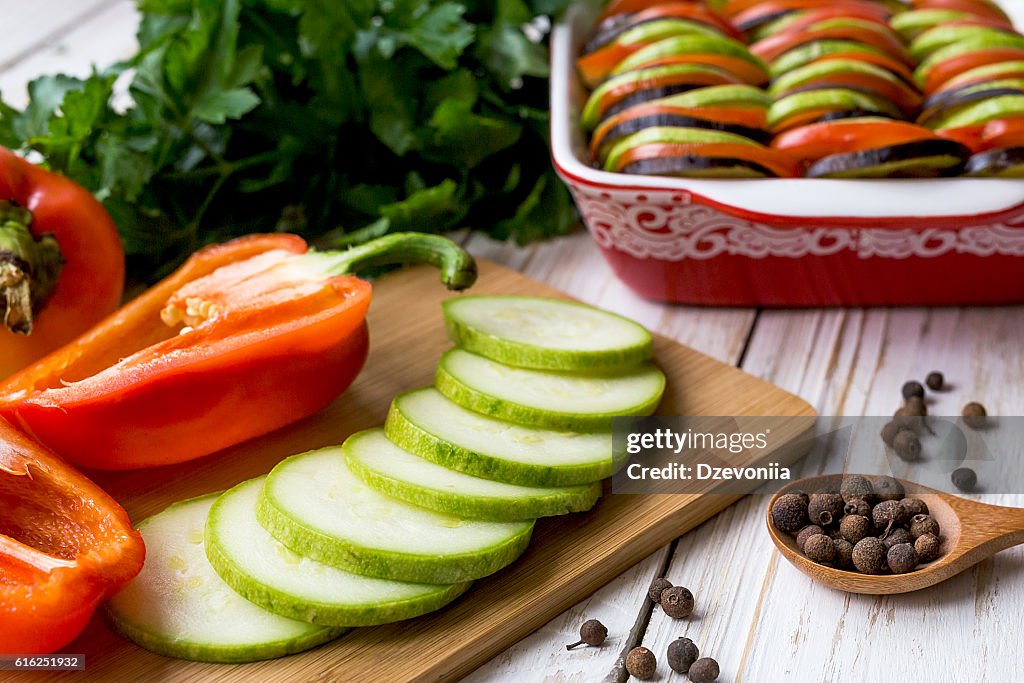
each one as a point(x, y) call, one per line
point(761, 157)
point(981, 9)
point(747, 10)
point(770, 49)
point(944, 71)
point(984, 74)
point(1008, 132)
point(884, 61)
point(730, 118)
point(809, 18)
point(744, 70)
point(613, 27)
point(807, 144)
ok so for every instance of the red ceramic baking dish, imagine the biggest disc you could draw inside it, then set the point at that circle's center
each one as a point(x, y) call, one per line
point(788, 242)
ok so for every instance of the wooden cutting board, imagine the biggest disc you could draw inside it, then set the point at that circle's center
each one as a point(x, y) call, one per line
point(568, 559)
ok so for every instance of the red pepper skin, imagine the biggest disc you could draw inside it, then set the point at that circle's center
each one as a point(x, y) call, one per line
point(178, 397)
point(65, 546)
point(92, 279)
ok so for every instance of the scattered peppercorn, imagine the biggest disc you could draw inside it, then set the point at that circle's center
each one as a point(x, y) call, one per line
point(844, 553)
point(677, 602)
point(902, 558)
point(927, 547)
point(911, 389)
point(974, 415)
point(854, 528)
point(855, 487)
point(887, 488)
point(889, 432)
point(888, 511)
point(807, 532)
point(869, 556)
point(915, 405)
point(858, 507)
point(935, 381)
point(907, 445)
point(825, 508)
point(897, 536)
point(704, 670)
point(914, 506)
point(657, 586)
point(923, 524)
point(906, 419)
point(642, 663)
point(821, 549)
point(682, 653)
point(964, 478)
point(592, 632)
point(789, 513)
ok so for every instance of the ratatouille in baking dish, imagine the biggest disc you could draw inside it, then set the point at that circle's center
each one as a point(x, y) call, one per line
point(805, 88)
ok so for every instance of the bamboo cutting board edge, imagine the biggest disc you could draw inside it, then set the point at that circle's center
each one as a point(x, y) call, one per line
point(568, 559)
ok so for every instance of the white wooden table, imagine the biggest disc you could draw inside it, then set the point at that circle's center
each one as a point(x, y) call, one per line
point(760, 618)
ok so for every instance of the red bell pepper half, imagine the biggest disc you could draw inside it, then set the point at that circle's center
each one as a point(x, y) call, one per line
point(65, 546)
point(246, 337)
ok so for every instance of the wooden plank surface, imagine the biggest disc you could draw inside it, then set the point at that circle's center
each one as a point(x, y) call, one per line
point(569, 558)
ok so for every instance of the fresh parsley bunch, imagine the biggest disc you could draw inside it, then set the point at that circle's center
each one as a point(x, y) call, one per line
point(339, 120)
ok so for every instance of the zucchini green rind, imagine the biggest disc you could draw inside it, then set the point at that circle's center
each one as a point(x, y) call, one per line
point(911, 24)
point(263, 571)
point(961, 47)
point(973, 113)
point(179, 607)
point(809, 52)
point(395, 472)
point(834, 98)
point(546, 398)
point(821, 71)
point(942, 36)
point(545, 334)
point(427, 424)
point(670, 135)
point(313, 504)
point(719, 95)
point(691, 44)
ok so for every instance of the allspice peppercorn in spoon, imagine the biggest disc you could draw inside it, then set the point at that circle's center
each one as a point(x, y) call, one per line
point(971, 532)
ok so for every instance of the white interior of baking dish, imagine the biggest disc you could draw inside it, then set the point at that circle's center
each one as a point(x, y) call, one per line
point(780, 197)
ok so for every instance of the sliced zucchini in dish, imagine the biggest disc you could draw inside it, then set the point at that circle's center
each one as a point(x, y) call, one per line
point(923, 159)
point(710, 50)
point(911, 24)
point(810, 52)
point(1007, 162)
point(982, 111)
point(584, 401)
point(605, 139)
point(611, 28)
point(942, 36)
point(802, 107)
point(984, 74)
point(623, 90)
point(849, 73)
point(400, 474)
point(945, 104)
point(930, 73)
point(720, 95)
point(667, 135)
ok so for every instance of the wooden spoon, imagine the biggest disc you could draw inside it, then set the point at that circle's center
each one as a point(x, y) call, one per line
point(970, 532)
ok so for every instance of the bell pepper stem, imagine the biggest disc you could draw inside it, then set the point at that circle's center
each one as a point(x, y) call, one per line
point(458, 269)
point(29, 269)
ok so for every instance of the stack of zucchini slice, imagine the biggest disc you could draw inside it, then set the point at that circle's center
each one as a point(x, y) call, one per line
point(398, 521)
point(854, 89)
